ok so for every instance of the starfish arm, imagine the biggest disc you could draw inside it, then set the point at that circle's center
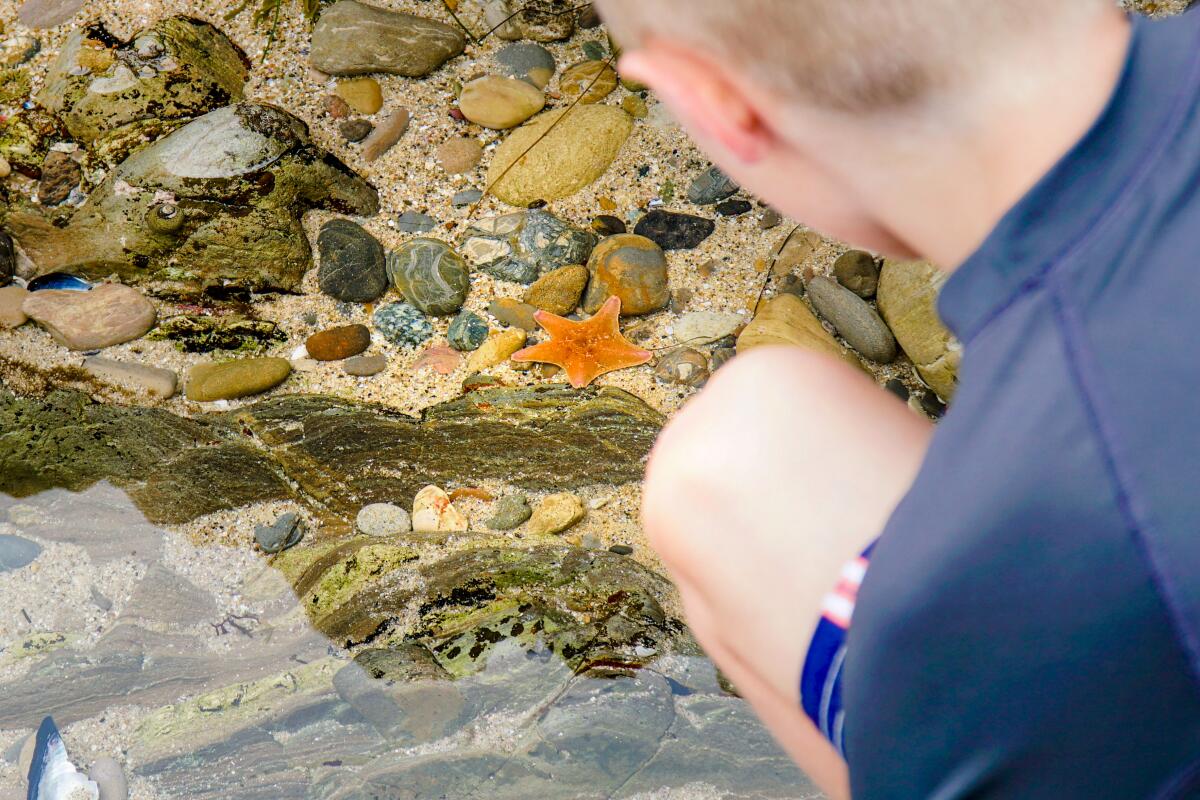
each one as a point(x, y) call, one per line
point(554, 324)
point(548, 352)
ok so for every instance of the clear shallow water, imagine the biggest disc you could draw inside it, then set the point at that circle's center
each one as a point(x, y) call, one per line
point(197, 668)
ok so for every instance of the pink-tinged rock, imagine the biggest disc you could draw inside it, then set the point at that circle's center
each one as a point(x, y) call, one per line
point(11, 300)
point(107, 315)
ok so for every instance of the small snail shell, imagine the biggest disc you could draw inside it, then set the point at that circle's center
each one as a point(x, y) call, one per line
point(164, 218)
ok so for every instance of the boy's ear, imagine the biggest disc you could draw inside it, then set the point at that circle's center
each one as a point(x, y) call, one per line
point(703, 96)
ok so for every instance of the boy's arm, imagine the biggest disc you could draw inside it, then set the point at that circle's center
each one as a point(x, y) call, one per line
point(784, 468)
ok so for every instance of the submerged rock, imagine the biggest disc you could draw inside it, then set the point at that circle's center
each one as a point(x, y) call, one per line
point(566, 159)
point(632, 268)
point(343, 455)
point(203, 333)
point(217, 203)
point(352, 262)
point(538, 20)
point(353, 38)
point(113, 95)
point(430, 275)
point(107, 315)
point(521, 246)
point(230, 380)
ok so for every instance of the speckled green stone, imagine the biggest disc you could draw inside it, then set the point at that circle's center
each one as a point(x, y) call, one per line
point(403, 325)
point(430, 275)
point(467, 331)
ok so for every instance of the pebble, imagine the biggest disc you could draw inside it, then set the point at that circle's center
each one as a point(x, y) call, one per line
point(527, 62)
point(109, 778)
point(568, 158)
point(770, 218)
point(430, 275)
point(352, 38)
point(11, 300)
point(588, 17)
point(500, 103)
point(594, 50)
point(5, 168)
point(711, 186)
point(674, 231)
point(513, 313)
point(785, 319)
point(907, 300)
point(154, 381)
point(433, 512)
point(858, 272)
point(897, 387)
point(634, 106)
point(560, 290)
point(364, 95)
point(107, 315)
point(467, 331)
point(555, 514)
point(511, 511)
point(496, 349)
point(459, 154)
point(352, 262)
point(335, 344)
point(241, 377)
point(48, 13)
point(854, 319)
point(403, 324)
point(60, 175)
point(386, 134)
point(17, 552)
point(932, 406)
point(733, 208)
point(365, 366)
point(285, 532)
point(415, 222)
point(720, 357)
point(478, 380)
point(793, 251)
point(704, 327)
point(608, 225)
point(383, 519)
point(466, 197)
point(538, 20)
point(335, 106)
point(631, 267)
point(8, 259)
point(683, 366)
point(18, 49)
point(355, 130)
point(520, 246)
point(590, 81)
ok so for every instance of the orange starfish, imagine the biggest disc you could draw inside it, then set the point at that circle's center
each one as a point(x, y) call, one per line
point(587, 349)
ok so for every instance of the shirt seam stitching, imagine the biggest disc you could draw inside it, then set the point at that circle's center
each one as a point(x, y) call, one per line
point(1079, 361)
point(1105, 216)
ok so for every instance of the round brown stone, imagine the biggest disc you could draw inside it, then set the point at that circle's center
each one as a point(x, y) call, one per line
point(335, 344)
point(631, 267)
point(559, 291)
point(460, 154)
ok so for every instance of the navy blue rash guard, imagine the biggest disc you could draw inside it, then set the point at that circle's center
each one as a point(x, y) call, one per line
point(1029, 626)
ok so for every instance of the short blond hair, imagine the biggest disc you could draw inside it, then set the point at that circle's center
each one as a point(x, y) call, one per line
point(845, 54)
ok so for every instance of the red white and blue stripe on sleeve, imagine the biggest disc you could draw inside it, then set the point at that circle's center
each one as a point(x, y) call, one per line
point(821, 680)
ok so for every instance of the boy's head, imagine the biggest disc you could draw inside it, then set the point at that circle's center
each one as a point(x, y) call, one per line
point(786, 94)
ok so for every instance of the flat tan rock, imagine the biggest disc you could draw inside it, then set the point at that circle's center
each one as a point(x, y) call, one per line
point(242, 377)
point(11, 300)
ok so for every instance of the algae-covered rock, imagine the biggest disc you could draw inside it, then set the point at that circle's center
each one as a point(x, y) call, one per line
point(354, 38)
point(202, 333)
point(340, 454)
point(111, 95)
point(217, 203)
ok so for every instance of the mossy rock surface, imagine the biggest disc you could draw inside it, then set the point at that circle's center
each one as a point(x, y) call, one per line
point(333, 455)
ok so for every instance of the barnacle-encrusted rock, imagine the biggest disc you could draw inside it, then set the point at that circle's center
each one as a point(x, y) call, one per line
point(112, 96)
point(239, 179)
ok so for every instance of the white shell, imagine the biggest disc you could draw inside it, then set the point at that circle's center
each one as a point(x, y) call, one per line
point(433, 511)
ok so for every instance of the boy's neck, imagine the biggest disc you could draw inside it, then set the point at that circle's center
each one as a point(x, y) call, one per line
point(941, 185)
